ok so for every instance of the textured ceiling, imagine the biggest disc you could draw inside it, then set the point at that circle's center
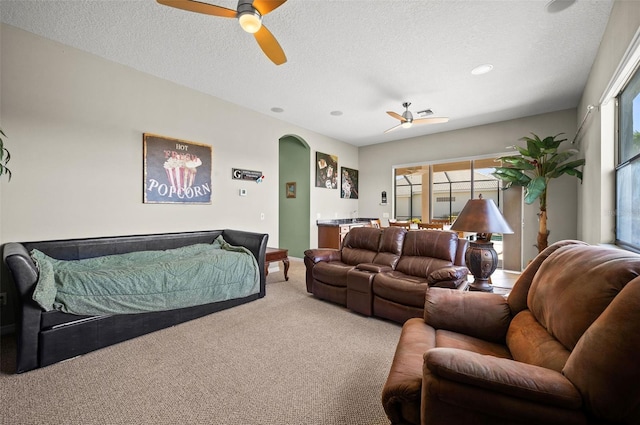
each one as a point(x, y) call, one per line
point(360, 57)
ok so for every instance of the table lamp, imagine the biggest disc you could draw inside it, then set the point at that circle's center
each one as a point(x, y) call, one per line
point(483, 217)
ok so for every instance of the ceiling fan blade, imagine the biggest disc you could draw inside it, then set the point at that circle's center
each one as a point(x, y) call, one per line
point(270, 46)
point(396, 116)
point(198, 7)
point(266, 6)
point(434, 120)
point(393, 128)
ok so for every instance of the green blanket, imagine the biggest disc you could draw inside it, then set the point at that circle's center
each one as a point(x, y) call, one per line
point(145, 281)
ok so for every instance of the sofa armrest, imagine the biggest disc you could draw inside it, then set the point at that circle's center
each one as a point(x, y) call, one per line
point(22, 267)
point(448, 277)
point(254, 242)
point(25, 276)
point(479, 314)
point(505, 376)
point(373, 268)
point(320, 254)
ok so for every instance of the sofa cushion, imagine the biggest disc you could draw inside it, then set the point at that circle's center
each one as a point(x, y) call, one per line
point(608, 352)
point(426, 251)
point(530, 343)
point(434, 244)
point(518, 296)
point(401, 288)
point(333, 273)
point(577, 282)
point(360, 245)
point(390, 249)
point(448, 339)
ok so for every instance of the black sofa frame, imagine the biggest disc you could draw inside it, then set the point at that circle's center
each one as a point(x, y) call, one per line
point(44, 338)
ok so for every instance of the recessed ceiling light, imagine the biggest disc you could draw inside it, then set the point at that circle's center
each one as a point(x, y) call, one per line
point(555, 6)
point(336, 113)
point(482, 69)
point(277, 110)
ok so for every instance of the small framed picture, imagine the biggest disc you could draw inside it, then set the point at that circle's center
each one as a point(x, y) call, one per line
point(291, 189)
point(326, 170)
point(349, 183)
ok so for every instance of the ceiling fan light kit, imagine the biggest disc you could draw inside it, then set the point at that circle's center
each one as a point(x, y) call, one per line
point(407, 120)
point(249, 14)
point(250, 21)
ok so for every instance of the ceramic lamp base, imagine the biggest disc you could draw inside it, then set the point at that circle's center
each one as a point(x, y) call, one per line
point(482, 261)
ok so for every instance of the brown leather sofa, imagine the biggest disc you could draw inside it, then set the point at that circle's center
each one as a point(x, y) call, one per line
point(385, 272)
point(561, 349)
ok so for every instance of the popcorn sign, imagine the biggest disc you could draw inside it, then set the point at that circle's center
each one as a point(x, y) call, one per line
point(176, 171)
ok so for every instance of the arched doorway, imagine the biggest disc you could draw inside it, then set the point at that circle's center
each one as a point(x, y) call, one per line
point(294, 208)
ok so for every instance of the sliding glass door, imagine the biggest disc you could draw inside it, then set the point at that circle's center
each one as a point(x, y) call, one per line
point(439, 192)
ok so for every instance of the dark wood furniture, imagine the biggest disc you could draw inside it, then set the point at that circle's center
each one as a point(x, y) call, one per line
point(277, 254)
point(331, 233)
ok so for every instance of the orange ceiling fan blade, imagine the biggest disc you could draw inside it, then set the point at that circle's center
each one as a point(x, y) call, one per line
point(270, 46)
point(393, 128)
point(198, 7)
point(434, 120)
point(396, 116)
point(266, 6)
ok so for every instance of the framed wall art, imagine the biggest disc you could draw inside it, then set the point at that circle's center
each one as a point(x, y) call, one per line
point(326, 170)
point(176, 171)
point(291, 189)
point(348, 183)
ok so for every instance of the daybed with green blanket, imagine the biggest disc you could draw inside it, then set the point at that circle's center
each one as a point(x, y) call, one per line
point(80, 295)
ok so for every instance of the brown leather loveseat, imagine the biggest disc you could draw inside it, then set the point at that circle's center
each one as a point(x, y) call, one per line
point(386, 272)
point(561, 349)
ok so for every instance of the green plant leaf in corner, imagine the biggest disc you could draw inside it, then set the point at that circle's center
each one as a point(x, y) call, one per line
point(5, 157)
point(540, 163)
point(534, 189)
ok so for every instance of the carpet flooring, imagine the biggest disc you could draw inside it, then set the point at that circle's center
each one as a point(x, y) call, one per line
point(288, 358)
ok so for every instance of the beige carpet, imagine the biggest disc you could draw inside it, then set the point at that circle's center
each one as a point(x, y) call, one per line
point(288, 358)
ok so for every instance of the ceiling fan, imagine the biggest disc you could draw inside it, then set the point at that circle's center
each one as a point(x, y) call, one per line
point(407, 120)
point(249, 14)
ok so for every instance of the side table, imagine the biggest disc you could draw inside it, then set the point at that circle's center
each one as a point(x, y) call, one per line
point(277, 254)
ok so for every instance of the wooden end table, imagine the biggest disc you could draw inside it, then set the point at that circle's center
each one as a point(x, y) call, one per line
point(277, 254)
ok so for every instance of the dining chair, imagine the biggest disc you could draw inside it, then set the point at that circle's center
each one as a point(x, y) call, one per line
point(431, 226)
point(405, 224)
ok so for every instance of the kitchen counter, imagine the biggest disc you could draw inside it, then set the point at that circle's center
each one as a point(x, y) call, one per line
point(343, 221)
point(332, 232)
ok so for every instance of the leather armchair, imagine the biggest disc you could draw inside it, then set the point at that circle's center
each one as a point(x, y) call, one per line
point(561, 349)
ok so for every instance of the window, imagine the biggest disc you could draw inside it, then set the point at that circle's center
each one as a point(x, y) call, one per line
point(440, 191)
point(628, 168)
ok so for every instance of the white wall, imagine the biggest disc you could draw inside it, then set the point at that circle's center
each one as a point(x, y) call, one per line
point(596, 215)
point(75, 123)
point(376, 162)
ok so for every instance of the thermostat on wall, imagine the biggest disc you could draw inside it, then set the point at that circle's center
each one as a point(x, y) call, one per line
point(243, 192)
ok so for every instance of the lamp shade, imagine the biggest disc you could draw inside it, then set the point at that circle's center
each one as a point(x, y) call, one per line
point(481, 216)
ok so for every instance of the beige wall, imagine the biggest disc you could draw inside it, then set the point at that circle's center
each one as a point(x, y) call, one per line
point(596, 216)
point(75, 124)
point(376, 162)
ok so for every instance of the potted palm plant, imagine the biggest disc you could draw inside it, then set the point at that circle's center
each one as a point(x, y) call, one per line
point(534, 168)
point(5, 156)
